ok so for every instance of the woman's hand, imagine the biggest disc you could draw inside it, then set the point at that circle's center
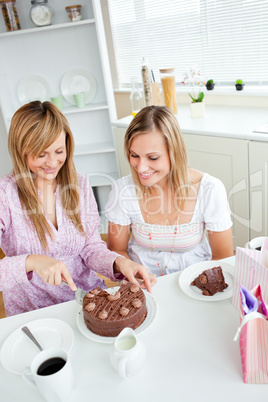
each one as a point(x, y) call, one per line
point(49, 269)
point(133, 272)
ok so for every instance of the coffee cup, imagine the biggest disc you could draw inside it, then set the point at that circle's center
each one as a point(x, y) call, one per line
point(51, 372)
point(256, 243)
point(128, 353)
point(58, 101)
point(80, 99)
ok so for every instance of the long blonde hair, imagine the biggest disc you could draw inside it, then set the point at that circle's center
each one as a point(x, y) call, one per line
point(160, 118)
point(34, 127)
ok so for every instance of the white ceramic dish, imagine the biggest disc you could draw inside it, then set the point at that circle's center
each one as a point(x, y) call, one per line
point(76, 81)
point(190, 273)
point(33, 87)
point(152, 308)
point(18, 350)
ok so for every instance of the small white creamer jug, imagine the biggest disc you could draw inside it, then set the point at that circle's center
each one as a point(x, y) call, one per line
point(128, 353)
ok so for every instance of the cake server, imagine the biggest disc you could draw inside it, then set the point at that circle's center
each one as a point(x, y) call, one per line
point(79, 294)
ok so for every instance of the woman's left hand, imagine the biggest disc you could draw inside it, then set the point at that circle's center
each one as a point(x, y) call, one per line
point(134, 272)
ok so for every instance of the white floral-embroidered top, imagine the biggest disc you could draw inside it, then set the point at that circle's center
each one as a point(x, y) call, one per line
point(151, 244)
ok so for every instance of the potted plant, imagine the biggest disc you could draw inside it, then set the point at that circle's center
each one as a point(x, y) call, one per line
point(210, 85)
point(193, 79)
point(239, 85)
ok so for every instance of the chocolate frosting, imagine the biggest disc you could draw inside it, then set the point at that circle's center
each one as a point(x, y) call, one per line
point(210, 281)
point(112, 313)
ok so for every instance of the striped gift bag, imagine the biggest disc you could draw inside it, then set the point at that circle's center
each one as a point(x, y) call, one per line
point(253, 343)
point(250, 271)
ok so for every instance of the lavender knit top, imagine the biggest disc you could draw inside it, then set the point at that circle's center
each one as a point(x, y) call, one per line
point(83, 256)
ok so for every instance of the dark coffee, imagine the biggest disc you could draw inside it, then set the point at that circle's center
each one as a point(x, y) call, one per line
point(258, 248)
point(51, 366)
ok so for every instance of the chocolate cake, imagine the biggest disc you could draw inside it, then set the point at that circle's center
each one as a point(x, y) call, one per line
point(106, 314)
point(210, 281)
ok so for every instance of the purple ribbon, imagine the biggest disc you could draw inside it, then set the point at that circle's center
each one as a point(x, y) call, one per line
point(249, 302)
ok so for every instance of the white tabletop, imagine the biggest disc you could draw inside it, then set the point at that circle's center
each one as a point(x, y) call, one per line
point(191, 355)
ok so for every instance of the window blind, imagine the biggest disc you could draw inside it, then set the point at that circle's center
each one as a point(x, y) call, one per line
point(226, 39)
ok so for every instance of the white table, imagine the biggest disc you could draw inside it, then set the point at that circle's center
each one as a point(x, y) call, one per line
point(191, 355)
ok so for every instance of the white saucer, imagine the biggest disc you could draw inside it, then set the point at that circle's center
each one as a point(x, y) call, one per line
point(190, 273)
point(152, 309)
point(76, 81)
point(33, 87)
point(18, 350)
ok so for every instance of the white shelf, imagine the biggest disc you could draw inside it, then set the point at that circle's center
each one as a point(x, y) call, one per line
point(88, 108)
point(47, 28)
point(89, 149)
point(73, 109)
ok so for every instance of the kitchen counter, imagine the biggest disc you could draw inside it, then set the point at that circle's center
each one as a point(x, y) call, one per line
point(219, 121)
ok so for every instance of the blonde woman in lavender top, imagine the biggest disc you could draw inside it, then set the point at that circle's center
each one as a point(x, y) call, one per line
point(49, 219)
point(166, 215)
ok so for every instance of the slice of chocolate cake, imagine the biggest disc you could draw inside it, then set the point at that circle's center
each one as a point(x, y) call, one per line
point(106, 314)
point(210, 281)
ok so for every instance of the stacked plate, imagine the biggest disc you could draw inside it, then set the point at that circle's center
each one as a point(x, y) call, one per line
point(78, 81)
point(35, 87)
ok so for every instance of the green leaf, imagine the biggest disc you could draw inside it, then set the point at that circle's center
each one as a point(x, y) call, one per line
point(200, 97)
point(193, 99)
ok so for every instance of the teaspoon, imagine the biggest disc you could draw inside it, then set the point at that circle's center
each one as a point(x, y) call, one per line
point(30, 335)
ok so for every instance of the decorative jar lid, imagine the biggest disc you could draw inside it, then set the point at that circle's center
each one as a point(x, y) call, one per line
point(72, 7)
point(167, 70)
point(38, 1)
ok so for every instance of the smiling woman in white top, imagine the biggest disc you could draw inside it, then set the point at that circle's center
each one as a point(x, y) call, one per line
point(176, 215)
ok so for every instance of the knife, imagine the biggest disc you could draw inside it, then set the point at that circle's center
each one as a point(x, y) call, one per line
point(79, 294)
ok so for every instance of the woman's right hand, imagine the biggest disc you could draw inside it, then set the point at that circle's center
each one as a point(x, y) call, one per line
point(49, 269)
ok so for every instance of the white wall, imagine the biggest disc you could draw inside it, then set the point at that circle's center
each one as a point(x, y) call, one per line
point(5, 160)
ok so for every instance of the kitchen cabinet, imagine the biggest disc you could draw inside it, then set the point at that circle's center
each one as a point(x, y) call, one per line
point(226, 159)
point(258, 178)
point(119, 134)
point(50, 52)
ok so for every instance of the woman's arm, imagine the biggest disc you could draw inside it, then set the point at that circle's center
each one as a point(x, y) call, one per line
point(221, 244)
point(118, 237)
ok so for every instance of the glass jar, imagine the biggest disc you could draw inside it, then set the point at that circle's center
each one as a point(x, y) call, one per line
point(136, 97)
point(41, 13)
point(168, 83)
point(10, 15)
point(145, 73)
point(74, 13)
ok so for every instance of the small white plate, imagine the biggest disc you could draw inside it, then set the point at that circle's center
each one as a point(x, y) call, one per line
point(190, 273)
point(76, 81)
point(33, 87)
point(18, 350)
point(152, 309)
